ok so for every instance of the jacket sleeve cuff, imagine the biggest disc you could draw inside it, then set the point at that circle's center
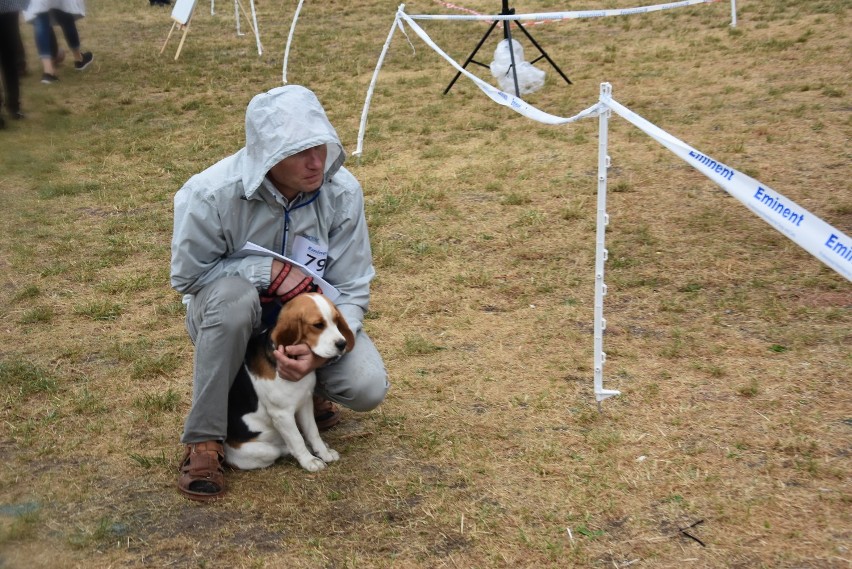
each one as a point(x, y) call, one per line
point(260, 272)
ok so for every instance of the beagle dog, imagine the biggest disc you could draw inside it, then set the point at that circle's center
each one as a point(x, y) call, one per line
point(265, 411)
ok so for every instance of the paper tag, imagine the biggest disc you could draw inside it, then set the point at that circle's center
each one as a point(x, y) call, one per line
point(311, 253)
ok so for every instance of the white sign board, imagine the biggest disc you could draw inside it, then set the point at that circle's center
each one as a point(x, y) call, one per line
point(182, 11)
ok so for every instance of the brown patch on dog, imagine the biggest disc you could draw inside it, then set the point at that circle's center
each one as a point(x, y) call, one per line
point(294, 320)
point(341, 324)
point(259, 358)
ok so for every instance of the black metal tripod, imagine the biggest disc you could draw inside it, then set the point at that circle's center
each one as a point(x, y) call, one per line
point(507, 34)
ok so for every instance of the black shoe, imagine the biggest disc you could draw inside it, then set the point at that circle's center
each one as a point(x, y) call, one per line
point(47, 78)
point(17, 115)
point(87, 59)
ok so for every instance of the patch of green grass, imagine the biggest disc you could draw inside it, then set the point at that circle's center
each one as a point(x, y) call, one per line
point(387, 254)
point(650, 392)
point(130, 284)
point(383, 208)
point(51, 191)
point(474, 279)
point(148, 462)
point(590, 533)
point(529, 219)
point(675, 348)
point(39, 314)
point(23, 378)
point(104, 530)
point(172, 309)
point(416, 345)
point(165, 402)
point(674, 499)
point(149, 366)
point(86, 402)
point(426, 249)
point(832, 91)
point(574, 211)
point(27, 293)
point(515, 199)
point(751, 389)
point(603, 438)
point(100, 310)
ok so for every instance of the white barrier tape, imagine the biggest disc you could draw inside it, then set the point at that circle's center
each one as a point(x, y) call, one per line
point(289, 41)
point(826, 243)
point(544, 16)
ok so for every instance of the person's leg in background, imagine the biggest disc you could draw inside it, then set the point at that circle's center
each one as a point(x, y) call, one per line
point(21, 56)
point(42, 30)
point(72, 38)
point(9, 37)
point(57, 52)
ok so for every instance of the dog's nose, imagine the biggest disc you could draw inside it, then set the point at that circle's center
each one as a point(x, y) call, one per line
point(340, 345)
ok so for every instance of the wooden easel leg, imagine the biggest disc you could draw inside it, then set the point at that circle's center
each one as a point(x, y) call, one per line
point(180, 45)
point(162, 49)
point(248, 19)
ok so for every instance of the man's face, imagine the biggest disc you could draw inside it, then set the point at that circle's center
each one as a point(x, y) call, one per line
point(301, 172)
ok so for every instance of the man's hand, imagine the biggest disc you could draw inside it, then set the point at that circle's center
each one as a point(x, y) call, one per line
point(295, 362)
point(287, 281)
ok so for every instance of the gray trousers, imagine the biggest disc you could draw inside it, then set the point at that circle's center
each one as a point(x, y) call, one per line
point(220, 320)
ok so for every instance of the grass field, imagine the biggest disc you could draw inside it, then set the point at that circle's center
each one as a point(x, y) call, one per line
point(730, 444)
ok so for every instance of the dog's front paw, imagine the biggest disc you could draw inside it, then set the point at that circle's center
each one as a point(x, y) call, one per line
point(312, 464)
point(330, 455)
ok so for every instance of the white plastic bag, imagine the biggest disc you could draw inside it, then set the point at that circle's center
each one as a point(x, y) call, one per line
point(530, 78)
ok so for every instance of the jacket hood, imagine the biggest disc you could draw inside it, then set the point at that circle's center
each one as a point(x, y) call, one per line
point(283, 122)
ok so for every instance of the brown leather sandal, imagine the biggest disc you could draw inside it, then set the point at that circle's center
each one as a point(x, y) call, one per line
point(202, 476)
point(326, 413)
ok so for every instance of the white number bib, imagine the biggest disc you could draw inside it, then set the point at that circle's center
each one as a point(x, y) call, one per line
point(310, 253)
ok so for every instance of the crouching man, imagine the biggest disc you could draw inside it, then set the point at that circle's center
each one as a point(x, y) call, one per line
point(287, 191)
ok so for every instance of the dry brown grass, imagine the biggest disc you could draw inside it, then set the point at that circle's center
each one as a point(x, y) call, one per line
point(729, 343)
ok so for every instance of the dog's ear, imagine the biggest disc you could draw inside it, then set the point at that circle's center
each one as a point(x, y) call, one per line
point(340, 321)
point(288, 329)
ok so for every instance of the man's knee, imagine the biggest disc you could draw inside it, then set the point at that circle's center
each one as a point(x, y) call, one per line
point(371, 391)
point(230, 302)
point(361, 387)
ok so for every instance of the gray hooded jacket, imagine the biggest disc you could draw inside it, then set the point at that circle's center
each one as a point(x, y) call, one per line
point(217, 211)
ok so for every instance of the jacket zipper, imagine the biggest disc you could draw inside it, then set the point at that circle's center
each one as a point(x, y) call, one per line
point(287, 219)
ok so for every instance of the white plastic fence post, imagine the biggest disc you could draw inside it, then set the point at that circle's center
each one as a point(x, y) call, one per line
point(289, 41)
point(256, 29)
point(212, 10)
point(600, 238)
point(733, 13)
point(237, 16)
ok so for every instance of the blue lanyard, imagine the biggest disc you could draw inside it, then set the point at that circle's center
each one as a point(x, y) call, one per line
point(287, 219)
